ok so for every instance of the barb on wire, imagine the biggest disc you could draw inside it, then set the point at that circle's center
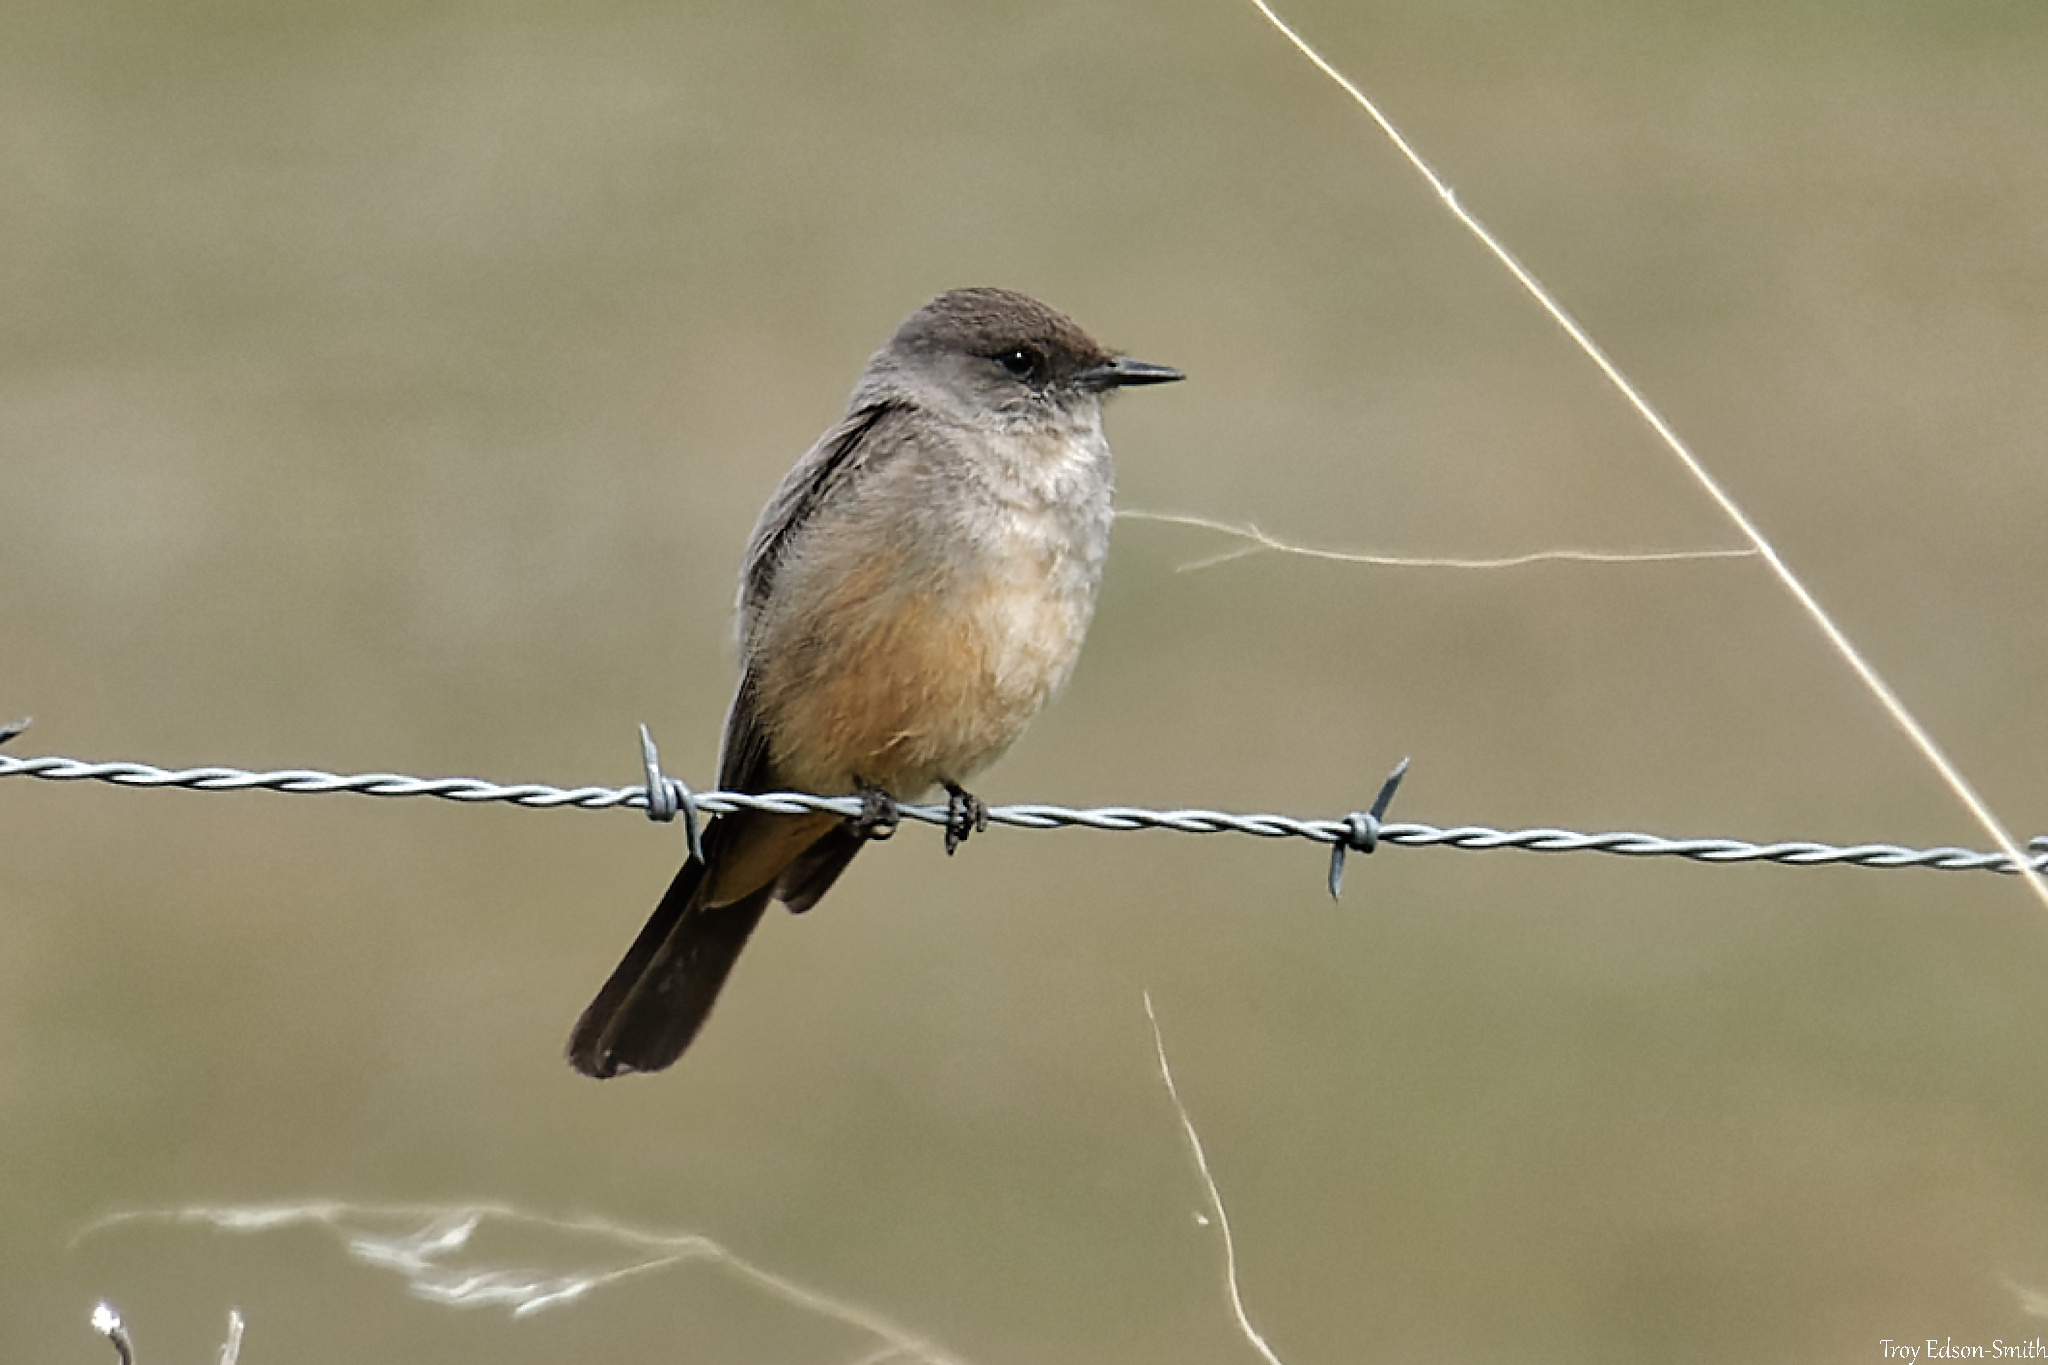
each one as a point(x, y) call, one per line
point(668, 797)
point(1345, 833)
point(1362, 828)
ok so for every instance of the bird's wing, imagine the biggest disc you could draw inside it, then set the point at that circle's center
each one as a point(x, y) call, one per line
point(841, 456)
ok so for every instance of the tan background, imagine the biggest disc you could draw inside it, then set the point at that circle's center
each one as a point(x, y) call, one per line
point(391, 386)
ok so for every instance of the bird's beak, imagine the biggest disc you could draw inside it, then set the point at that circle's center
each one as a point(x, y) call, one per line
point(1124, 372)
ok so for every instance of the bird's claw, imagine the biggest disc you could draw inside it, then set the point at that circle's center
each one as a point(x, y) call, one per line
point(965, 815)
point(878, 816)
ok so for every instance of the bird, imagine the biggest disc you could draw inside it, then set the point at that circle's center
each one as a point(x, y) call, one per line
point(915, 591)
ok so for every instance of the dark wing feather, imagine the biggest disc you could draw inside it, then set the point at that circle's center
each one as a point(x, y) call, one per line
point(815, 480)
point(743, 761)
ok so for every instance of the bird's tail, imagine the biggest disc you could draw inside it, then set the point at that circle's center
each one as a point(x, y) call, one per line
point(658, 996)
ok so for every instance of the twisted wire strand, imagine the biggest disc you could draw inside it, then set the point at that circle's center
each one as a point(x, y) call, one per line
point(1337, 832)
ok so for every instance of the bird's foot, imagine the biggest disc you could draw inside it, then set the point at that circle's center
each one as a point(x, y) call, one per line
point(965, 815)
point(878, 817)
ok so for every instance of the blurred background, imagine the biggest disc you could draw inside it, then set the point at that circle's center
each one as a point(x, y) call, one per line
point(392, 387)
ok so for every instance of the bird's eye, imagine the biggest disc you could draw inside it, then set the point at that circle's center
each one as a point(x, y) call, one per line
point(1022, 361)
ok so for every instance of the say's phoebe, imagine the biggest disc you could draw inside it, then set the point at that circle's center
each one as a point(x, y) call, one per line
point(913, 593)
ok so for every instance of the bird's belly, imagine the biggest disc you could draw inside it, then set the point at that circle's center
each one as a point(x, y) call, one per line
point(917, 688)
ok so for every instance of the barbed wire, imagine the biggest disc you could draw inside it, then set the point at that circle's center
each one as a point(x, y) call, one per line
point(1357, 832)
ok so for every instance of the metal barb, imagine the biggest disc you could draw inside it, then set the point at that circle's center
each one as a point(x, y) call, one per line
point(1361, 829)
point(669, 796)
point(9, 729)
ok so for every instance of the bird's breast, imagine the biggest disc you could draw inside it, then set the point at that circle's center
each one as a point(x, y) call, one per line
point(913, 664)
